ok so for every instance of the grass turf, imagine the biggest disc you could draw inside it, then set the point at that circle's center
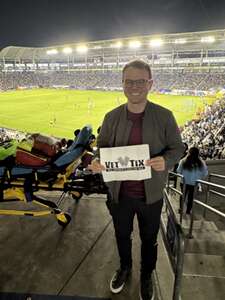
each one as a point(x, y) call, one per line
point(60, 112)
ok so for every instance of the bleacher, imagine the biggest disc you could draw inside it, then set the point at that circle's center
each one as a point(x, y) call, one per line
point(110, 80)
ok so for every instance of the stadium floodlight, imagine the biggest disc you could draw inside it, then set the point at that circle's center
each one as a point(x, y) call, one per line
point(52, 51)
point(82, 49)
point(67, 50)
point(134, 44)
point(208, 39)
point(180, 41)
point(116, 45)
point(156, 43)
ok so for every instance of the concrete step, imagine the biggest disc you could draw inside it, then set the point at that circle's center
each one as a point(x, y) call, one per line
point(207, 234)
point(203, 288)
point(163, 275)
point(204, 247)
point(94, 274)
point(199, 224)
point(203, 264)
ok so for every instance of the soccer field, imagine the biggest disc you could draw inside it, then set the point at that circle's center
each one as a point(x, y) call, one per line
point(60, 112)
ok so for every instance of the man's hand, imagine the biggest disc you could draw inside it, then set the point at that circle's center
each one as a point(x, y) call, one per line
point(157, 163)
point(95, 166)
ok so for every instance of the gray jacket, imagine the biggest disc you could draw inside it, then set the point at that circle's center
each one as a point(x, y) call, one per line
point(160, 131)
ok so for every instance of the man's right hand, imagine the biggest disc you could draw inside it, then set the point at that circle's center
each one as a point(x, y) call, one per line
point(95, 166)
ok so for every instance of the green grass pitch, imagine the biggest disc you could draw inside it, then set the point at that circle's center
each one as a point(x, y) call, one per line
point(60, 112)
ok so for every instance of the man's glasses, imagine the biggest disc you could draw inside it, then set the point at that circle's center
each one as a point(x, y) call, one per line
point(138, 83)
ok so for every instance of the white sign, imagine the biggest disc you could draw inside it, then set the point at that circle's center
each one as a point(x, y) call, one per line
point(125, 163)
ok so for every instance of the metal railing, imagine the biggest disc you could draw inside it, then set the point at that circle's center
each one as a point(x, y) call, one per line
point(175, 244)
point(213, 192)
point(176, 191)
point(205, 205)
point(216, 176)
point(173, 237)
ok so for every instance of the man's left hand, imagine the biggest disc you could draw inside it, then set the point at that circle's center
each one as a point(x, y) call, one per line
point(157, 163)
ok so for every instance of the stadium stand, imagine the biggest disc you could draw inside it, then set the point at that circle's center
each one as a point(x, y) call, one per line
point(208, 132)
point(110, 80)
point(186, 61)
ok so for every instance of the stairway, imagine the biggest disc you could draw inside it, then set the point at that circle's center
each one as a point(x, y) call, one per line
point(204, 261)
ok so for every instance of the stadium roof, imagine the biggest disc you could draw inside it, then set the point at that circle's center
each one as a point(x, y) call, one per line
point(190, 41)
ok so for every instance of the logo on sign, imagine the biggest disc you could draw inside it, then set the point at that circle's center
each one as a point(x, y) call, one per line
point(125, 164)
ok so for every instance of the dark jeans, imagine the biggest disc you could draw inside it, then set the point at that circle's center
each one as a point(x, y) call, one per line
point(148, 216)
point(188, 196)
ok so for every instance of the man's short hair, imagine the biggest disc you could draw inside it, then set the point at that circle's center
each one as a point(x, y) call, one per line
point(138, 64)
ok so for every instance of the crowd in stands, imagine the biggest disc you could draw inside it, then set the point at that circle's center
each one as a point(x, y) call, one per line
point(208, 132)
point(110, 79)
point(73, 79)
point(10, 134)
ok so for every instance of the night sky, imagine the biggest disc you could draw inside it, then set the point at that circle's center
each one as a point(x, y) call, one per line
point(54, 22)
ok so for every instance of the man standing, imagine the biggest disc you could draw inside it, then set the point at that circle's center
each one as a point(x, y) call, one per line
point(139, 122)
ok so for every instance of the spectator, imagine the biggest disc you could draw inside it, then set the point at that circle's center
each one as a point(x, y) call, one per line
point(193, 168)
point(139, 121)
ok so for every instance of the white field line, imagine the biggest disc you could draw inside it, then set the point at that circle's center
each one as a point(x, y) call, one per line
point(29, 96)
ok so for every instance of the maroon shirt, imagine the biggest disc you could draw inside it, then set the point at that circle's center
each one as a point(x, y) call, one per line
point(134, 188)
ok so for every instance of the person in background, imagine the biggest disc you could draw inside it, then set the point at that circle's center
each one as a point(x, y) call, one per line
point(193, 168)
point(173, 177)
point(139, 121)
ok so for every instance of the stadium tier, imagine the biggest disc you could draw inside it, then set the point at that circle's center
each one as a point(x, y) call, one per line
point(183, 64)
point(194, 49)
point(187, 82)
point(185, 61)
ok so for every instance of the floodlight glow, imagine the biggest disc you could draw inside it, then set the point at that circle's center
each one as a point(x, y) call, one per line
point(156, 43)
point(82, 49)
point(67, 50)
point(180, 41)
point(134, 44)
point(208, 39)
point(98, 47)
point(117, 45)
point(52, 51)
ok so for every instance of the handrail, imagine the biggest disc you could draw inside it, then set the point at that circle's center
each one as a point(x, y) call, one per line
point(176, 259)
point(206, 207)
point(177, 192)
point(211, 184)
point(216, 175)
point(213, 210)
point(176, 174)
point(217, 193)
point(209, 191)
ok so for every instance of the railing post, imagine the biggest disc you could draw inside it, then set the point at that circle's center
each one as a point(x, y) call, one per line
point(206, 200)
point(182, 199)
point(168, 183)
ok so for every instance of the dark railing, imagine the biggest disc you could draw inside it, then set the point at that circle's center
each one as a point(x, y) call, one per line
point(173, 234)
point(205, 205)
point(174, 241)
point(211, 175)
point(210, 192)
point(173, 177)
